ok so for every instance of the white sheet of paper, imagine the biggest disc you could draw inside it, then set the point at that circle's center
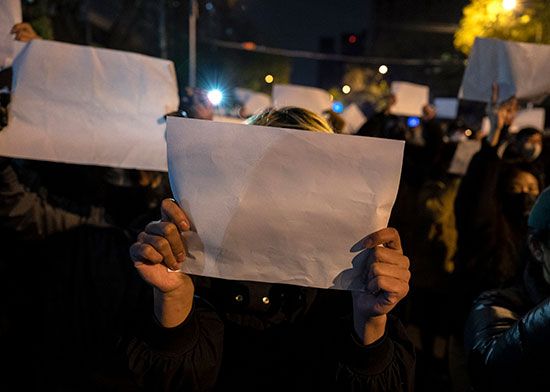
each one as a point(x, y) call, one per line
point(446, 108)
point(83, 105)
point(520, 69)
point(10, 14)
point(410, 98)
point(253, 102)
point(534, 118)
point(312, 98)
point(354, 117)
point(464, 153)
point(279, 205)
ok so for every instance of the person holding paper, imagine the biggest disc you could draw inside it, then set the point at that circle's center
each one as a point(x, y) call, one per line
point(293, 338)
point(491, 208)
point(508, 329)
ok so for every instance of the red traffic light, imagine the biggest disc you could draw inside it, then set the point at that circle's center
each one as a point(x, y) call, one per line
point(352, 38)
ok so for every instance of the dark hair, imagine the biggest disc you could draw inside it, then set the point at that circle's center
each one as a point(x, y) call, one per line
point(526, 133)
point(510, 170)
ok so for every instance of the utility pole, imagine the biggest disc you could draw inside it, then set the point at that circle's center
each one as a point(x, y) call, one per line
point(193, 15)
point(163, 46)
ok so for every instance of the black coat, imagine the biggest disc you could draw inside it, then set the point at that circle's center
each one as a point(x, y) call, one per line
point(508, 336)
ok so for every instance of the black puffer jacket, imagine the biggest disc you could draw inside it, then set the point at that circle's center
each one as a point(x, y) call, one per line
point(508, 336)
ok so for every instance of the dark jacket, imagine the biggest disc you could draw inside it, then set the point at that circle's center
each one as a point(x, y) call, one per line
point(508, 336)
point(78, 317)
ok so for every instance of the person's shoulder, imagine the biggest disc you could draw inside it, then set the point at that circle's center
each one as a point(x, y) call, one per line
point(513, 298)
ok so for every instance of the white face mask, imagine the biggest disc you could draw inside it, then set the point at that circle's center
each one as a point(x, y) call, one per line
point(531, 151)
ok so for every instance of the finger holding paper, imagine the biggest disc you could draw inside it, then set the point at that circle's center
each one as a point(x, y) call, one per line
point(387, 282)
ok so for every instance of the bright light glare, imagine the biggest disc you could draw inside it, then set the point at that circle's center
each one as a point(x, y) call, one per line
point(468, 132)
point(509, 5)
point(215, 97)
point(338, 107)
point(346, 89)
point(268, 78)
point(383, 69)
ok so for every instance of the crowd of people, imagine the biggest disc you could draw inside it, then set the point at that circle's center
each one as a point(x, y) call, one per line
point(93, 302)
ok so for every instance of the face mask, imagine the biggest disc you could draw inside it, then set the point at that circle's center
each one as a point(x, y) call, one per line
point(531, 151)
point(517, 206)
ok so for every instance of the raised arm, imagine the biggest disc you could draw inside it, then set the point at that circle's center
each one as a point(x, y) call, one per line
point(380, 357)
point(158, 253)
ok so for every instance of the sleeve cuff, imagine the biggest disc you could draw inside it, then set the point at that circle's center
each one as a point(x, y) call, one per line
point(371, 359)
point(178, 339)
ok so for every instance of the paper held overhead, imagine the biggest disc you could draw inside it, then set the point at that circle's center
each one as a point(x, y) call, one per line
point(464, 153)
point(519, 69)
point(410, 98)
point(312, 98)
point(280, 205)
point(78, 104)
point(354, 118)
point(10, 14)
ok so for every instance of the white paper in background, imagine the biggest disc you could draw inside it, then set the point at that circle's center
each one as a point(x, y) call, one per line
point(354, 117)
point(464, 153)
point(10, 14)
point(410, 98)
point(312, 98)
point(253, 102)
point(446, 108)
point(485, 126)
point(78, 104)
point(533, 118)
point(520, 69)
point(280, 205)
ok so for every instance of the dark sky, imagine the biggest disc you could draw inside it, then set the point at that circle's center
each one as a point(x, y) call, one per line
point(299, 24)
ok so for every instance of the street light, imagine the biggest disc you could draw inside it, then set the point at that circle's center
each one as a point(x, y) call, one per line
point(509, 5)
point(268, 78)
point(383, 69)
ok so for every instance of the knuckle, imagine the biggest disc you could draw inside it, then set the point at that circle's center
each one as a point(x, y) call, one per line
point(150, 227)
point(376, 269)
point(169, 229)
point(407, 262)
point(149, 253)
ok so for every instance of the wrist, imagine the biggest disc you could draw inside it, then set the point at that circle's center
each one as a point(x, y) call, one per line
point(370, 329)
point(172, 308)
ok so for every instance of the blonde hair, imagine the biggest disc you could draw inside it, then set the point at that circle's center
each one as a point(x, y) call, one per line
point(291, 117)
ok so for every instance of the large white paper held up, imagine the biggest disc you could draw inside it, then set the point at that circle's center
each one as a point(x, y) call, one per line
point(312, 98)
point(10, 14)
point(354, 118)
point(410, 98)
point(280, 205)
point(83, 105)
point(520, 69)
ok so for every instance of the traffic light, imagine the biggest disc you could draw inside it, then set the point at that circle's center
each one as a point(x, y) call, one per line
point(353, 44)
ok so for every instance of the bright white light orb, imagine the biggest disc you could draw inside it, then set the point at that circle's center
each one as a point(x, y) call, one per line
point(509, 5)
point(383, 69)
point(346, 89)
point(215, 97)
